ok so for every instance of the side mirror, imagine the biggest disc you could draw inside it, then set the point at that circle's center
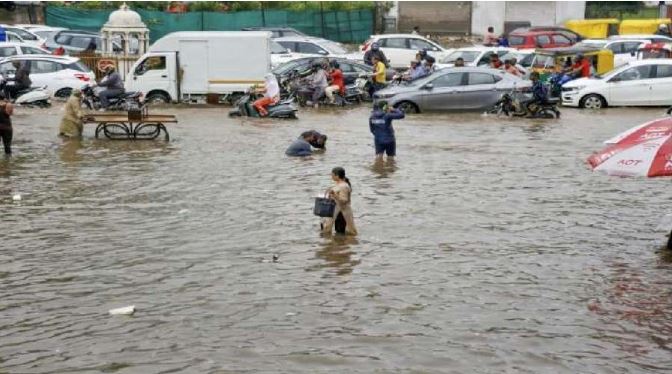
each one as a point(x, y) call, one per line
point(428, 86)
point(614, 79)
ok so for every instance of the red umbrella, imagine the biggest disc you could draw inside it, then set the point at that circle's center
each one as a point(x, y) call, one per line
point(645, 150)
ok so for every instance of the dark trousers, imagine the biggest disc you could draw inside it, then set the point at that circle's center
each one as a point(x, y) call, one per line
point(6, 135)
point(109, 93)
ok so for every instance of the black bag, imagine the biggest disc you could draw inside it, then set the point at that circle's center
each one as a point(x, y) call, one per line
point(324, 207)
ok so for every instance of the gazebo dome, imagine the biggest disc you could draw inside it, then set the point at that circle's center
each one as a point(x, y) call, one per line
point(124, 17)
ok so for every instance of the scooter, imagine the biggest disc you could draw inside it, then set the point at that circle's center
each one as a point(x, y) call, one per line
point(125, 101)
point(511, 106)
point(33, 96)
point(282, 109)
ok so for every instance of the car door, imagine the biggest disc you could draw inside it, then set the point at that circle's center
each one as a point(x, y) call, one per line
point(631, 86)
point(481, 90)
point(560, 40)
point(44, 73)
point(7, 51)
point(443, 92)
point(397, 51)
point(542, 41)
point(152, 74)
point(661, 86)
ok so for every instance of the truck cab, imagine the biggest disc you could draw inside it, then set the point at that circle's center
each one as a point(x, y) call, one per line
point(155, 75)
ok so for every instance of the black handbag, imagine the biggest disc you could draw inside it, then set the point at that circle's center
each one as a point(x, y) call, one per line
point(324, 206)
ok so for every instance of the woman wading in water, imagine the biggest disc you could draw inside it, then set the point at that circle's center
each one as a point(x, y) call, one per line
point(343, 220)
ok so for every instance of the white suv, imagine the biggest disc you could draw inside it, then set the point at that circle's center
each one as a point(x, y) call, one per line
point(400, 49)
point(59, 73)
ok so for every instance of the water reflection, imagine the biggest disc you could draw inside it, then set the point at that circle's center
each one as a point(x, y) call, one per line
point(337, 253)
point(384, 168)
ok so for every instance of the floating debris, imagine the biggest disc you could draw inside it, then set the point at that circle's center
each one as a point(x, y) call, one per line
point(125, 311)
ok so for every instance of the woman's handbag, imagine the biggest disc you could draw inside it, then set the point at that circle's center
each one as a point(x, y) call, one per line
point(324, 206)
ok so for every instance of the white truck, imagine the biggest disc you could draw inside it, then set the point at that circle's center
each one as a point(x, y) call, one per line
point(188, 66)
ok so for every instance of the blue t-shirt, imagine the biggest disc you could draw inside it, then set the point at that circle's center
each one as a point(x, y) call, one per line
point(299, 148)
point(380, 124)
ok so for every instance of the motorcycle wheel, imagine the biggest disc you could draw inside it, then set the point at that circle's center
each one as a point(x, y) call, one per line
point(545, 113)
point(235, 113)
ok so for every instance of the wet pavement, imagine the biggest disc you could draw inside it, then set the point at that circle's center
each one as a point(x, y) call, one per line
point(488, 247)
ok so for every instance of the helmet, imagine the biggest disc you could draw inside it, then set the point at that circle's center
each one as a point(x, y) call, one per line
point(375, 46)
point(335, 65)
point(430, 59)
point(662, 26)
point(579, 55)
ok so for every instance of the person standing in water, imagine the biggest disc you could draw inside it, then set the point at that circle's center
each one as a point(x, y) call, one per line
point(71, 123)
point(343, 220)
point(380, 124)
point(6, 132)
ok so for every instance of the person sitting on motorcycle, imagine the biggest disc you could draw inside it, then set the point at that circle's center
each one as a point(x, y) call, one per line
point(114, 86)
point(539, 93)
point(374, 51)
point(511, 69)
point(271, 91)
point(521, 69)
point(337, 83)
point(378, 76)
point(318, 83)
point(495, 62)
point(21, 80)
point(581, 67)
point(417, 71)
point(459, 62)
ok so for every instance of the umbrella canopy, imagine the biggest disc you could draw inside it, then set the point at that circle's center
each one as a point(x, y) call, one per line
point(645, 150)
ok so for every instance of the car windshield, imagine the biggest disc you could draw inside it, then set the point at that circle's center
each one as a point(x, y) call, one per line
point(277, 48)
point(467, 56)
point(334, 48)
point(25, 35)
point(595, 44)
point(287, 66)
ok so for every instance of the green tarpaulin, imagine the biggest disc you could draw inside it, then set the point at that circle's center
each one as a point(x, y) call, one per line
point(343, 26)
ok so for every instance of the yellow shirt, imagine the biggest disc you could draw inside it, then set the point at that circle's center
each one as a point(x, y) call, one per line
point(379, 70)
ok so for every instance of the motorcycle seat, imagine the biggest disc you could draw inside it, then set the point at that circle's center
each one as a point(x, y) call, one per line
point(130, 94)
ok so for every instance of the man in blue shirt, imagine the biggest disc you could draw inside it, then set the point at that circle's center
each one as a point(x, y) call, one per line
point(301, 147)
point(539, 93)
point(380, 124)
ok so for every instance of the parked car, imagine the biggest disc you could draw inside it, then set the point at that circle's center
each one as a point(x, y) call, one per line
point(625, 50)
point(280, 54)
point(12, 48)
point(44, 32)
point(25, 35)
point(570, 34)
point(473, 56)
point(638, 83)
point(75, 41)
point(59, 73)
point(526, 38)
point(278, 32)
point(400, 49)
point(351, 69)
point(306, 46)
point(467, 88)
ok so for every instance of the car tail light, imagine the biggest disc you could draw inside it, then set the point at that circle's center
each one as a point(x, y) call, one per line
point(83, 77)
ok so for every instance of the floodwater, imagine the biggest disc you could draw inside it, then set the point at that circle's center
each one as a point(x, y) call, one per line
point(489, 247)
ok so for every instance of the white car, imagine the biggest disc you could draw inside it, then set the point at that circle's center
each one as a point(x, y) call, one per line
point(400, 49)
point(473, 56)
point(25, 35)
point(59, 73)
point(12, 49)
point(625, 50)
point(638, 83)
point(310, 47)
point(44, 32)
point(652, 37)
point(280, 55)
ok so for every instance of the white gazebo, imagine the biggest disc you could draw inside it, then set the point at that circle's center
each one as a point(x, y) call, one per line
point(125, 33)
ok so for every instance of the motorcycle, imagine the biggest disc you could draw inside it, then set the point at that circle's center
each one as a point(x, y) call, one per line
point(33, 96)
point(282, 109)
point(511, 106)
point(125, 101)
point(299, 89)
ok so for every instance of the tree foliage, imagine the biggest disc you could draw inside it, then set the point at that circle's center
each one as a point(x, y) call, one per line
point(223, 6)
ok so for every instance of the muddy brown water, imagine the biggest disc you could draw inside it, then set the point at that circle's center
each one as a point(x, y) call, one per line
point(489, 247)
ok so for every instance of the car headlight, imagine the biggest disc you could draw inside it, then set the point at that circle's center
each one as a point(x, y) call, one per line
point(573, 89)
point(384, 95)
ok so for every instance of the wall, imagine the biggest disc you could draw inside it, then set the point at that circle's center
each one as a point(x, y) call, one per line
point(538, 13)
point(434, 17)
point(485, 14)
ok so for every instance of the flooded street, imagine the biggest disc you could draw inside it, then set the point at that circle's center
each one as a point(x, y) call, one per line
point(489, 247)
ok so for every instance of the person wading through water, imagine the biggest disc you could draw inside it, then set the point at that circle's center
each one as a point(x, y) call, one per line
point(343, 220)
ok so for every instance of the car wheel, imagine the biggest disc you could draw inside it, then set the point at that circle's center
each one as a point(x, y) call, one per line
point(63, 92)
point(157, 98)
point(593, 101)
point(407, 107)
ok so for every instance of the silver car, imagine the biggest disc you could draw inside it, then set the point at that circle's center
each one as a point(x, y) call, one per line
point(459, 89)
